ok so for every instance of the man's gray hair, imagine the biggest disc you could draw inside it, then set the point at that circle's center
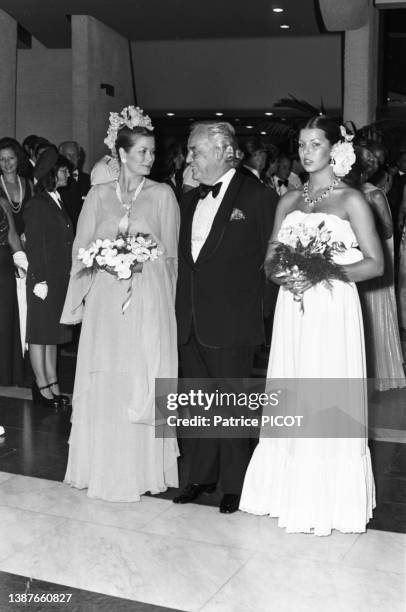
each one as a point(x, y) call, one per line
point(221, 132)
point(69, 143)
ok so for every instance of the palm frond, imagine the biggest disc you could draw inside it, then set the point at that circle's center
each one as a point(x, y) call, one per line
point(300, 106)
point(280, 132)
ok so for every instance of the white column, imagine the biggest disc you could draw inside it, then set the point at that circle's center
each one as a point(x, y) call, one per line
point(8, 72)
point(360, 72)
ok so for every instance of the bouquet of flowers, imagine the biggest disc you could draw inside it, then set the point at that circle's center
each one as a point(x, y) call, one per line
point(304, 252)
point(121, 257)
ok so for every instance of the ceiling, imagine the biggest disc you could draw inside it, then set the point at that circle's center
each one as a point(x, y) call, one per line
point(48, 20)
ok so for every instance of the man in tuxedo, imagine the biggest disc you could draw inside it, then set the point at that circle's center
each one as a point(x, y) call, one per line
point(225, 226)
point(284, 179)
point(78, 185)
point(255, 157)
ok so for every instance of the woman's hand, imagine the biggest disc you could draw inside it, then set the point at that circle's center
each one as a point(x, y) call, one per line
point(300, 285)
point(41, 290)
point(294, 280)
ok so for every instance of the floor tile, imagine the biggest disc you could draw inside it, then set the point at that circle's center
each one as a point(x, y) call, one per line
point(5, 476)
point(272, 585)
point(19, 528)
point(246, 531)
point(61, 500)
point(144, 567)
point(378, 550)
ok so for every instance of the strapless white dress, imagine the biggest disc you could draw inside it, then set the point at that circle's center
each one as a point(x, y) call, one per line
point(314, 485)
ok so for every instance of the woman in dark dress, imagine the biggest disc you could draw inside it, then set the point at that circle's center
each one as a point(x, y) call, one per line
point(16, 189)
point(11, 359)
point(49, 238)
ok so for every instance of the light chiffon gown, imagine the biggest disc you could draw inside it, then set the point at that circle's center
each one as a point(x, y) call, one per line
point(315, 485)
point(382, 339)
point(113, 451)
point(401, 291)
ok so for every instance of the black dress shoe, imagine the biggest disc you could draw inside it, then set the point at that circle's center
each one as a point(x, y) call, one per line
point(192, 492)
point(41, 400)
point(229, 503)
point(63, 400)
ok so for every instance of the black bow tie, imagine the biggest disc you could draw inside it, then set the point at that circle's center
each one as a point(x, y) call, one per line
point(204, 190)
point(283, 182)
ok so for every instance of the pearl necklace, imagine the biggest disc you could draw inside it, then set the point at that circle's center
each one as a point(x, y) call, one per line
point(314, 202)
point(15, 207)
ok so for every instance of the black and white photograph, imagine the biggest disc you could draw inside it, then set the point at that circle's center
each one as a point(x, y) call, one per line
point(203, 306)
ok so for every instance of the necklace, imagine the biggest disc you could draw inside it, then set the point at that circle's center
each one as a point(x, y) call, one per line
point(125, 221)
point(128, 205)
point(314, 202)
point(15, 206)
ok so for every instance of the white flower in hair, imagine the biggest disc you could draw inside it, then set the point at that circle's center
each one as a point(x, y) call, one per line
point(346, 136)
point(131, 116)
point(342, 154)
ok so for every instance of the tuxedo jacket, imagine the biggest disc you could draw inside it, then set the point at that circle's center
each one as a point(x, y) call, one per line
point(247, 172)
point(74, 194)
point(220, 295)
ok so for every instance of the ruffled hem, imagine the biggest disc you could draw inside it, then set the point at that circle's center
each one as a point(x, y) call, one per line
point(310, 493)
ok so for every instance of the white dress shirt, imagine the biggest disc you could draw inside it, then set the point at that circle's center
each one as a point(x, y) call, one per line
point(56, 197)
point(205, 212)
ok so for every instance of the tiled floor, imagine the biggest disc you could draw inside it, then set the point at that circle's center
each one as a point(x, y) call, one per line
point(184, 557)
point(190, 557)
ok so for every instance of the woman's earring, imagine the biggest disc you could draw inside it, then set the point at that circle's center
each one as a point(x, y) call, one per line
point(123, 161)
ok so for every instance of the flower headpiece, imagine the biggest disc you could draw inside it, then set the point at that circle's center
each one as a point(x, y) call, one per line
point(342, 154)
point(130, 116)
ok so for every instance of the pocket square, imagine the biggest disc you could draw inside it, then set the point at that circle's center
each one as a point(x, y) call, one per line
point(237, 215)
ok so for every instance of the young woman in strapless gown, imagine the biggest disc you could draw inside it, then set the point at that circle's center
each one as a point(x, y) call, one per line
point(315, 485)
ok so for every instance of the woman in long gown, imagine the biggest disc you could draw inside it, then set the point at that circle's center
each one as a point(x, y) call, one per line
point(378, 300)
point(113, 451)
point(314, 485)
point(401, 285)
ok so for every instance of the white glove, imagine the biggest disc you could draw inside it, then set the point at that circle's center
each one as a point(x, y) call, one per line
point(41, 290)
point(21, 262)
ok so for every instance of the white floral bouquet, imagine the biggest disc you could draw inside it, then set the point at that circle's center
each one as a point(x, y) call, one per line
point(304, 252)
point(121, 257)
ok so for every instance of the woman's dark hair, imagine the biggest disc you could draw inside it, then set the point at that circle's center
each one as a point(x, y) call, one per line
point(126, 137)
point(62, 162)
point(48, 181)
point(11, 143)
point(329, 127)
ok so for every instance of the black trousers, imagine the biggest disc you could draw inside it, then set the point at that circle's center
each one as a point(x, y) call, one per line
point(213, 459)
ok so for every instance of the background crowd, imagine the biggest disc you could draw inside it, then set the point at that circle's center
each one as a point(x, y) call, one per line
point(40, 239)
